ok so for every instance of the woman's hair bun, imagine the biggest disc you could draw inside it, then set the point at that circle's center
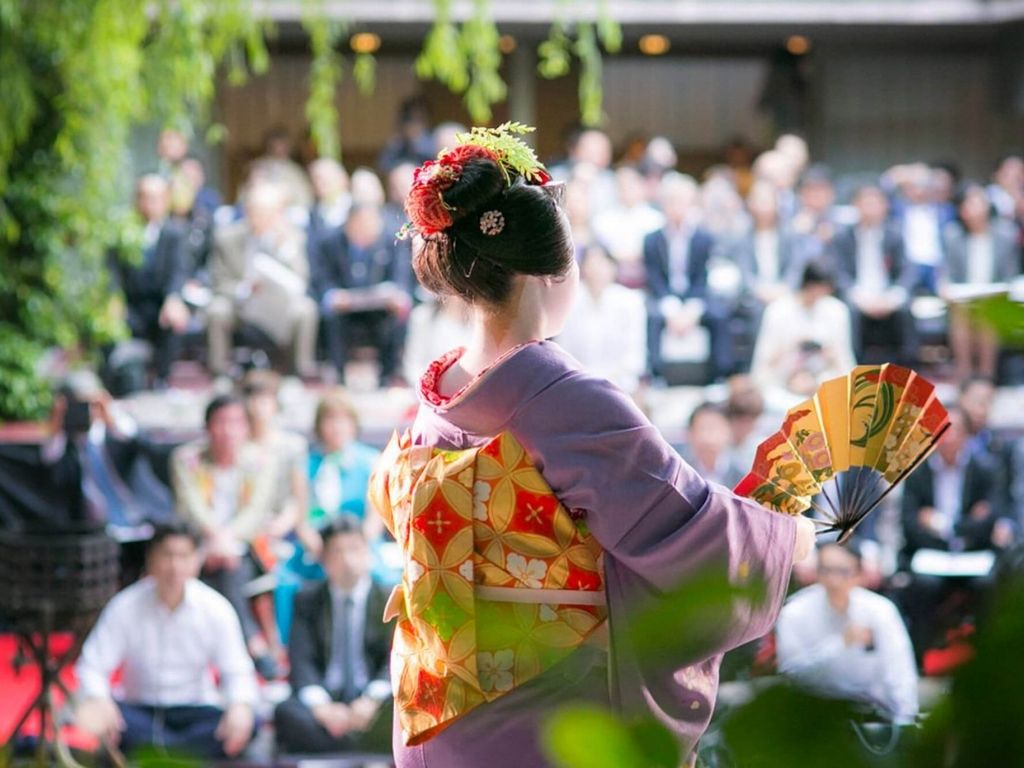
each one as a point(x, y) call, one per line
point(482, 181)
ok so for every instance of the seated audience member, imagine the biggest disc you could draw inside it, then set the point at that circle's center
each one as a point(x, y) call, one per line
point(412, 141)
point(195, 203)
point(980, 249)
point(708, 446)
point(589, 162)
point(921, 218)
point(676, 267)
point(577, 208)
point(436, 326)
point(152, 283)
point(804, 338)
point(96, 455)
point(767, 255)
point(744, 408)
point(815, 215)
point(623, 227)
point(367, 189)
point(954, 501)
point(1007, 188)
point(226, 487)
point(339, 651)
point(975, 401)
point(332, 201)
point(875, 279)
point(277, 167)
point(605, 310)
point(286, 449)
point(169, 634)
point(399, 184)
point(357, 285)
point(260, 274)
point(844, 641)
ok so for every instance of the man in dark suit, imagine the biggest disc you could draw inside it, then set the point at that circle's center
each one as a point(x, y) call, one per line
point(339, 649)
point(874, 278)
point(675, 267)
point(152, 284)
point(356, 281)
point(953, 501)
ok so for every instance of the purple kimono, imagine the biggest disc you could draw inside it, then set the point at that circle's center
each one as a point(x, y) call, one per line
point(658, 522)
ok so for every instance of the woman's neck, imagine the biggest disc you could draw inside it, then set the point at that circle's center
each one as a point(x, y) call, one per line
point(495, 335)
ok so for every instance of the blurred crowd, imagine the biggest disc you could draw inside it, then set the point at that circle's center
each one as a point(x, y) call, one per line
point(768, 274)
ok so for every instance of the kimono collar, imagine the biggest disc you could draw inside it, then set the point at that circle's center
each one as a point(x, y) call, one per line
point(490, 400)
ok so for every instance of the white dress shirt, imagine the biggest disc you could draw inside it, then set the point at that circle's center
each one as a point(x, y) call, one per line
point(921, 235)
point(766, 255)
point(166, 656)
point(981, 258)
point(948, 493)
point(811, 649)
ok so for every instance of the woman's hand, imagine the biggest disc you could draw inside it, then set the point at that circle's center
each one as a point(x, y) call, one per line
point(805, 530)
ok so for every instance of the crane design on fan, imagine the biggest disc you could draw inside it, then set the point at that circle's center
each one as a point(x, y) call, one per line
point(851, 443)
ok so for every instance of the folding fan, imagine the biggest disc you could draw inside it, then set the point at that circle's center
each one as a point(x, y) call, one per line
point(851, 443)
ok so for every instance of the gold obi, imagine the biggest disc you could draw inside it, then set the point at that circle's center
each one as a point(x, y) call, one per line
point(500, 582)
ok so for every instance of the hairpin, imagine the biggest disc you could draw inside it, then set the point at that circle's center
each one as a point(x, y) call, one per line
point(492, 223)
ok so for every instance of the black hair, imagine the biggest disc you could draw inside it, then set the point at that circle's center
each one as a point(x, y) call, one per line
point(467, 260)
point(164, 531)
point(816, 273)
point(219, 403)
point(341, 525)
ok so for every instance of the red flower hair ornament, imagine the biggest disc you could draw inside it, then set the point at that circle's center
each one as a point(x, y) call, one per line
point(429, 216)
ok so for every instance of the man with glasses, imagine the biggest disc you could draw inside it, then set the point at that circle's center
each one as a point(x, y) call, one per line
point(842, 640)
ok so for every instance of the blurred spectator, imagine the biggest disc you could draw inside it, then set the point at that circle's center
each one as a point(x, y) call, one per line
point(152, 281)
point(260, 271)
point(708, 447)
point(658, 158)
point(955, 499)
point(1006, 192)
point(195, 203)
point(357, 284)
point(722, 209)
point(399, 184)
point(286, 450)
point(277, 167)
point(975, 400)
point(577, 209)
point(366, 188)
point(171, 149)
point(589, 162)
point(169, 634)
point(845, 641)
point(412, 142)
point(781, 172)
point(875, 279)
point(97, 457)
point(332, 200)
point(815, 218)
point(980, 250)
point(744, 408)
point(446, 136)
point(804, 338)
point(767, 254)
point(675, 263)
point(623, 227)
point(436, 326)
point(921, 220)
point(339, 653)
point(794, 148)
point(226, 487)
point(605, 310)
point(739, 156)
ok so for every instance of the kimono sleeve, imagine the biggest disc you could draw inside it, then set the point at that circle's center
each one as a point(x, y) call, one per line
point(660, 524)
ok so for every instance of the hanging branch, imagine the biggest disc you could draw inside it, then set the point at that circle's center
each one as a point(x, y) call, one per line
point(555, 56)
point(325, 73)
point(467, 60)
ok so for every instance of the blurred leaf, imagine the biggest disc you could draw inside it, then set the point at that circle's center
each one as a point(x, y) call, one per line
point(785, 727)
point(1005, 316)
point(583, 736)
point(689, 624)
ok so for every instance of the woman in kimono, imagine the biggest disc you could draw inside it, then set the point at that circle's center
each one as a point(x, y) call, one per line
point(494, 235)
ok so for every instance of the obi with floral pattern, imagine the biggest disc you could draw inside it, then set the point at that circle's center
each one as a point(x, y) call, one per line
point(500, 583)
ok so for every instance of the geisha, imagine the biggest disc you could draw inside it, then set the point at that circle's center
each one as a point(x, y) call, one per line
point(536, 506)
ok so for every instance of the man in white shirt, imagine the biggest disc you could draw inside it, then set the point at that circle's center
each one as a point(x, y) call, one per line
point(166, 633)
point(339, 649)
point(845, 641)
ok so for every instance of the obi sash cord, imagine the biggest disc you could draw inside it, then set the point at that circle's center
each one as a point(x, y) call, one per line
point(500, 583)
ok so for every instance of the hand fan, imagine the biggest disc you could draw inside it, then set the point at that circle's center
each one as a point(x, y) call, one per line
point(852, 442)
